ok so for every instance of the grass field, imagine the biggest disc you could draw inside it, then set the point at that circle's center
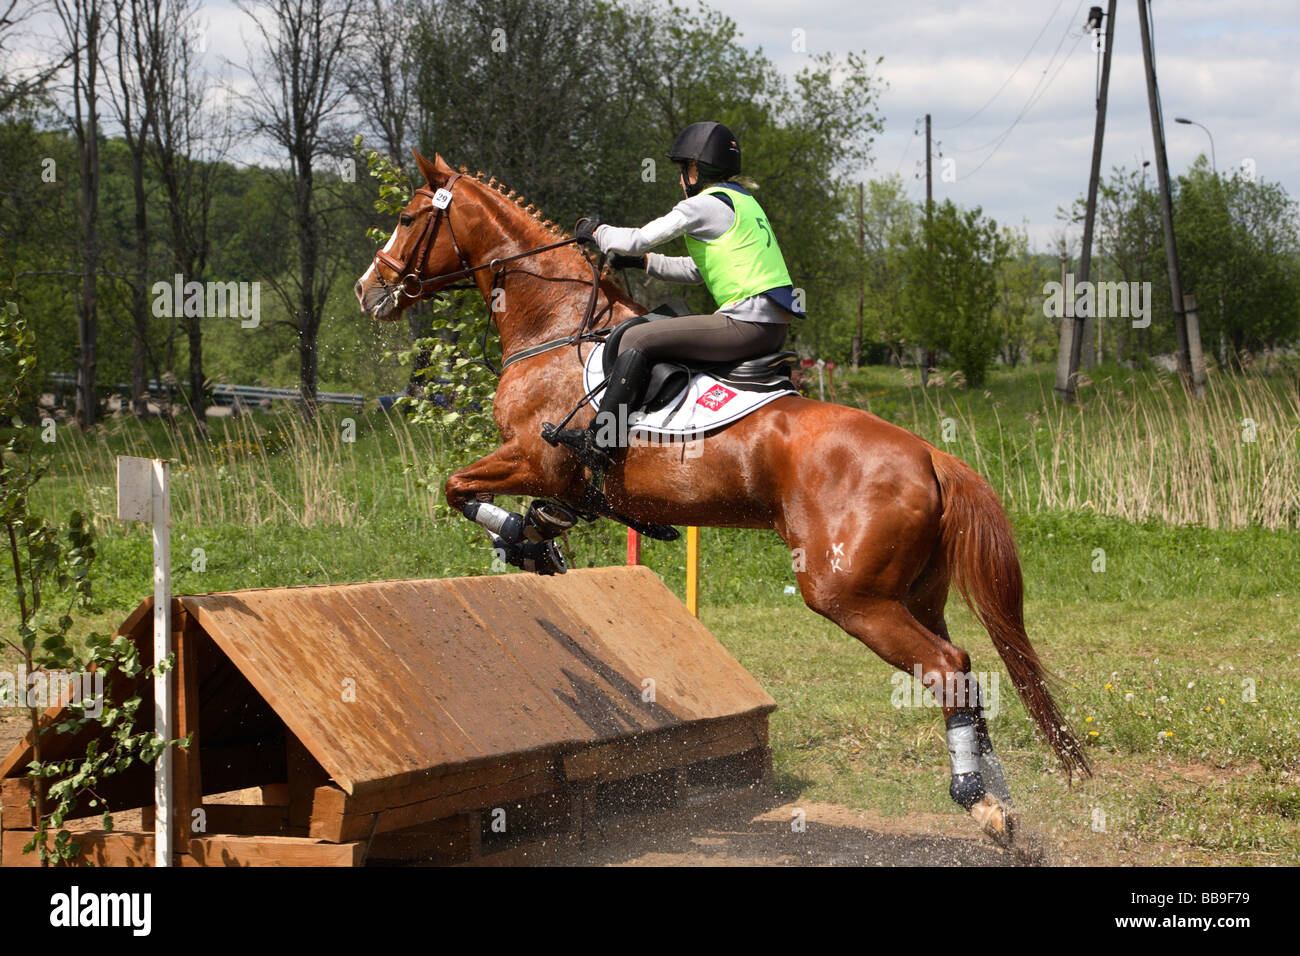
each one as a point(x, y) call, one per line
point(1178, 659)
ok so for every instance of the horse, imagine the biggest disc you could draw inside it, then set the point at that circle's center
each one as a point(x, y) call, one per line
point(879, 521)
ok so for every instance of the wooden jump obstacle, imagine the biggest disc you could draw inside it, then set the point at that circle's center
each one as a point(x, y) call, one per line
point(490, 719)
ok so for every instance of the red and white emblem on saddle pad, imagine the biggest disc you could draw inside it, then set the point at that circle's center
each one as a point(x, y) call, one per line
point(715, 397)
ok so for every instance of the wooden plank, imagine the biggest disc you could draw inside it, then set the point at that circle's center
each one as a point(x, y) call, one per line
point(187, 782)
point(454, 781)
point(249, 819)
point(588, 700)
point(695, 677)
point(305, 776)
point(351, 826)
point(14, 811)
point(328, 806)
point(223, 850)
point(676, 747)
point(275, 794)
point(97, 847)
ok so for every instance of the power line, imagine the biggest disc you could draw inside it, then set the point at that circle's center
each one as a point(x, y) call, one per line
point(1028, 106)
point(1046, 69)
point(906, 148)
point(1023, 59)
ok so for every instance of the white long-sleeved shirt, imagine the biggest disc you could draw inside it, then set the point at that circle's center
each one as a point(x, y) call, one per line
point(702, 217)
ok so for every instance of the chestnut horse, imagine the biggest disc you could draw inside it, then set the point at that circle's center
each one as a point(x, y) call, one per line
point(878, 519)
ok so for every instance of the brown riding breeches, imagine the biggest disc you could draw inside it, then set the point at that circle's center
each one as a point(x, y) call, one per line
point(703, 338)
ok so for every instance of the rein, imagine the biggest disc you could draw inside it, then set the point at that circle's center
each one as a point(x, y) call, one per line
point(416, 289)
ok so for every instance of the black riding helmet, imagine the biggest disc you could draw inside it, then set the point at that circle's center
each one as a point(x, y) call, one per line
point(714, 149)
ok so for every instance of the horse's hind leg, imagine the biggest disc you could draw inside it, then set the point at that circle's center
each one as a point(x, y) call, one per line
point(887, 627)
point(926, 601)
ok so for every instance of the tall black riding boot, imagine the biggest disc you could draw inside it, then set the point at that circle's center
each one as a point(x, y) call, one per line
point(627, 382)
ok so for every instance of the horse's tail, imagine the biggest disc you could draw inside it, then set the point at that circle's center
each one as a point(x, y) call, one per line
point(981, 551)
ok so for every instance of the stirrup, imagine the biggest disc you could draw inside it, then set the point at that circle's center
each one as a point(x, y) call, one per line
point(582, 442)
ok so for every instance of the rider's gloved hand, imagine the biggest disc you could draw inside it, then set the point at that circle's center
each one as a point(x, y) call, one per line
point(620, 261)
point(585, 230)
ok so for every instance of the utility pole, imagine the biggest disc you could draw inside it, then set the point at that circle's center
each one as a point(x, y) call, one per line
point(927, 356)
point(1075, 330)
point(862, 263)
point(929, 182)
point(1189, 370)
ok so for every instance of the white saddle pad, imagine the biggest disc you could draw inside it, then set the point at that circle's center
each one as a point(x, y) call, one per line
point(704, 404)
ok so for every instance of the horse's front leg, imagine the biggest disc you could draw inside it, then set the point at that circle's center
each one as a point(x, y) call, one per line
point(510, 470)
point(524, 541)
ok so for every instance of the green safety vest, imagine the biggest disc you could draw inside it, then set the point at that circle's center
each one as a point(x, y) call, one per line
point(745, 260)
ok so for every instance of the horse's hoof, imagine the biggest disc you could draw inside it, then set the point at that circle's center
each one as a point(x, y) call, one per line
point(996, 819)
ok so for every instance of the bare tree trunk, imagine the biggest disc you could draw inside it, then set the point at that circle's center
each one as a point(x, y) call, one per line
point(301, 77)
point(137, 28)
point(189, 142)
point(140, 294)
point(309, 308)
point(82, 24)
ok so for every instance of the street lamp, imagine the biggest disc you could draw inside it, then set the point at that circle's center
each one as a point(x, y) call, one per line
point(1186, 122)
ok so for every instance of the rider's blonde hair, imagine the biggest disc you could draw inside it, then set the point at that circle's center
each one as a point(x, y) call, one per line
point(746, 181)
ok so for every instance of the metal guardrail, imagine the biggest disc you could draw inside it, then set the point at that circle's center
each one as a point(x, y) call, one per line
point(222, 394)
point(232, 394)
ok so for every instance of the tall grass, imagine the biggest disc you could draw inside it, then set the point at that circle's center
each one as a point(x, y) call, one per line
point(256, 470)
point(1147, 449)
point(1136, 447)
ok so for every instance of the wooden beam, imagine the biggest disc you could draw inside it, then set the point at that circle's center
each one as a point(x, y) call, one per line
point(335, 818)
point(675, 747)
point(187, 782)
point(270, 851)
point(14, 811)
point(126, 848)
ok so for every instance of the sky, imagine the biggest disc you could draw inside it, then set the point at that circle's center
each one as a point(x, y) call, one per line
point(1232, 67)
point(975, 65)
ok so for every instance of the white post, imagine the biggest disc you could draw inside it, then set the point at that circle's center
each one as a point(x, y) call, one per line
point(821, 382)
point(143, 494)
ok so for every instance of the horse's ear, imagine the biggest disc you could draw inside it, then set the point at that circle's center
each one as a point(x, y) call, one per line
point(428, 169)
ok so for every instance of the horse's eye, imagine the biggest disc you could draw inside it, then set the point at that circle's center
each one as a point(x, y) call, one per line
point(406, 219)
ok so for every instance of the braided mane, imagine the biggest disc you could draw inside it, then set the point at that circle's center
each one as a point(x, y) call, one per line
point(533, 211)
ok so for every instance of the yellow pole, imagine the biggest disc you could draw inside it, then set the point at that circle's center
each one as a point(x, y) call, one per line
point(693, 570)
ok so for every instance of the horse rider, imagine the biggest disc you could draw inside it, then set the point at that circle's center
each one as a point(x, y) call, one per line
point(733, 252)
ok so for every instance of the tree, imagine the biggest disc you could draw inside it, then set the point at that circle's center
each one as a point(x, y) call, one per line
point(1130, 248)
point(84, 26)
point(299, 78)
point(1239, 240)
point(1022, 330)
point(889, 221)
point(191, 136)
point(20, 87)
point(137, 31)
point(952, 288)
point(576, 103)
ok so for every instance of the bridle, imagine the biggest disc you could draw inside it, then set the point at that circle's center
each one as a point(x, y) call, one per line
point(408, 280)
point(411, 287)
